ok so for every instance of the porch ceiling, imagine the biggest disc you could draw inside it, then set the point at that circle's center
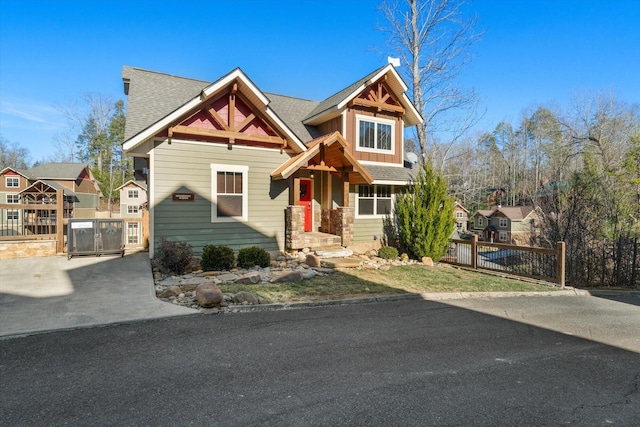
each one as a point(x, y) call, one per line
point(327, 153)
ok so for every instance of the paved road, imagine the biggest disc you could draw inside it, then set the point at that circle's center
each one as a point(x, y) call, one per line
point(395, 363)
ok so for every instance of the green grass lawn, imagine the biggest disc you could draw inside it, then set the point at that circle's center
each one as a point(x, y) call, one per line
point(398, 280)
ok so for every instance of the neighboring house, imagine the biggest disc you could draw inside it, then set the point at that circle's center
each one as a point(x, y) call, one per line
point(39, 185)
point(518, 225)
point(133, 202)
point(228, 164)
point(461, 214)
point(82, 193)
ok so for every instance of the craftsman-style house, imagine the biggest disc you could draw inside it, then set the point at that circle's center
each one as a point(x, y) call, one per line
point(518, 225)
point(133, 202)
point(229, 164)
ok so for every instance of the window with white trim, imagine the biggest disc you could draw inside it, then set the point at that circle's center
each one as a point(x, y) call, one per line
point(13, 215)
point(503, 236)
point(503, 223)
point(479, 222)
point(229, 193)
point(459, 215)
point(133, 233)
point(133, 194)
point(375, 135)
point(133, 209)
point(13, 198)
point(373, 200)
point(12, 181)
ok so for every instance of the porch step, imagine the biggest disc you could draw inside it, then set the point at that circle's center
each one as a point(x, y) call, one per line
point(316, 240)
point(341, 262)
point(334, 253)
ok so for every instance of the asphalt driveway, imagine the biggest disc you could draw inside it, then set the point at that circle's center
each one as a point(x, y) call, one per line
point(51, 293)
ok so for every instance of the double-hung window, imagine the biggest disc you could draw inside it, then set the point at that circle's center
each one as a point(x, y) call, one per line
point(12, 181)
point(132, 209)
point(229, 187)
point(133, 194)
point(13, 198)
point(373, 200)
point(503, 223)
point(13, 215)
point(375, 135)
point(503, 236)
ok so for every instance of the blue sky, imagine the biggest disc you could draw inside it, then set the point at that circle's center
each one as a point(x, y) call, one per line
point(532, 52)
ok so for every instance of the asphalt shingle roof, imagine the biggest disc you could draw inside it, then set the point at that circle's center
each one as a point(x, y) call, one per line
point(54, 170)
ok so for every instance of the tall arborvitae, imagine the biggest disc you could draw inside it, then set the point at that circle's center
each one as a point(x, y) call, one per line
point(424, 215)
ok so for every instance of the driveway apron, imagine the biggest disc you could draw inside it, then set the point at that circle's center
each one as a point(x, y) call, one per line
point(52, 293)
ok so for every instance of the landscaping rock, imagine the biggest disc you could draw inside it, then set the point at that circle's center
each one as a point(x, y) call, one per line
point(254, 278)
point(246, 298)
point(427, 261)
point(227, 277)
point(195, 281)
point(312, 260)
point(209, 295)
point(287, 276)
point(309, 274)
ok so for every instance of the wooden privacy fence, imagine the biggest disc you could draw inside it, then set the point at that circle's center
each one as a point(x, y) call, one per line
point(526, 261)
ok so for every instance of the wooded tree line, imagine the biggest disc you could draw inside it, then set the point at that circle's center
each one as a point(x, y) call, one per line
point(580, 167)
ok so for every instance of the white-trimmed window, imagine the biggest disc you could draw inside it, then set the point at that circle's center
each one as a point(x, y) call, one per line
point(479, 222)
point(133, 233)
point(13, 215)
point(133, 209)
point(375, 135)
point(503, 223)
point(503, 236)
point(373, 200)
point(12, 181)
point(459, 215)
point(230, 193)
point(13, 198)
point(133, 194)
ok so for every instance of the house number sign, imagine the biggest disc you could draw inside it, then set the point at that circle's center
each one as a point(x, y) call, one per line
point(183, 197)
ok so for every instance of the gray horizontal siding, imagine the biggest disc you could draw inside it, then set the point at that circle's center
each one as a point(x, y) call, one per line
point(182, 167)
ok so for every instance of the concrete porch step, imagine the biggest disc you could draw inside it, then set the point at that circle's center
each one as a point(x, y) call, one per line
point(341, 262)
point(316, 240)
point(334, 253)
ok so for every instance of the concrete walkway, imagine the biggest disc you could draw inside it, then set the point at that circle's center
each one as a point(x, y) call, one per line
point(52, 293)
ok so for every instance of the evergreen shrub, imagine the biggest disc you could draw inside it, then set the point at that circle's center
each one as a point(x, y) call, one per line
point(388, 252)
point(215, 258)
point(252, 256)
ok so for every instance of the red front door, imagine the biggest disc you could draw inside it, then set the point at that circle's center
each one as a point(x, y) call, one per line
point(305, 200)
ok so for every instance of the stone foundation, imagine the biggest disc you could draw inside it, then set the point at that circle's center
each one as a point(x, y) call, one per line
point(27, 248)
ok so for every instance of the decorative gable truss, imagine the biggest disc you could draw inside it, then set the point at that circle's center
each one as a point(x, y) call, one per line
point(228, 117)
point(379, 97)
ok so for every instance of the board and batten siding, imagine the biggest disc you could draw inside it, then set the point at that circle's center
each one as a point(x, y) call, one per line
point(186, 167)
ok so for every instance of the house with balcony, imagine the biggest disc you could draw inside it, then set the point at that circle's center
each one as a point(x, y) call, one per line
point(230, 164)
point(518, 225)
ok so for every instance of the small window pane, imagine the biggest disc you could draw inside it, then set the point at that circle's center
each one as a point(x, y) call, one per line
point(367, 134)
point(384, 136)
point(229, 205)
point(383, 206)
point(238, 182)
point(220, 182)
point(365, 206)
point(365, 191)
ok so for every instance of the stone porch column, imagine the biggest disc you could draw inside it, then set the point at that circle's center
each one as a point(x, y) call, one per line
point(294, 227)
point(344, 225)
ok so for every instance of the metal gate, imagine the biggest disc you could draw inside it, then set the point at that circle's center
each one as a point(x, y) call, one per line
point(95, 237)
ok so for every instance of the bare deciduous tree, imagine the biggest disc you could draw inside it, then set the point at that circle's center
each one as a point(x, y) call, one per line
point(432, 39)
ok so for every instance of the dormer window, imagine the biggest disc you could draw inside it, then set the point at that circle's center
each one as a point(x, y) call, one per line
point(375, 135)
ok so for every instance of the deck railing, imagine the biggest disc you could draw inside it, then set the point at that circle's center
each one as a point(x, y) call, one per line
point(526, 261)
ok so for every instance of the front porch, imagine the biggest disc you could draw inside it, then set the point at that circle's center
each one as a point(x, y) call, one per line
point(336, 230)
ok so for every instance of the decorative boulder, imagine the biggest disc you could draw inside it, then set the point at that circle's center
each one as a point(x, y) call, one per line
point(209, 295)
point(312, 260)
point(253, 278)
point(427, 261)
point(288, 276)
point(246, 297)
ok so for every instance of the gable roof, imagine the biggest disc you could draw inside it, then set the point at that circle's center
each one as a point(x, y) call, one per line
point(194, 99)
point(334, 146)
point(515, 213)
point(333, 105)
point(293, 111)
point(141, 184)
point(63, 171)
point(21, 172)
point(51, 184)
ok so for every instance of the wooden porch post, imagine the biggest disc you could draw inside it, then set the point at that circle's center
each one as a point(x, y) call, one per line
point(474, 251)
point(345, 189)
point(296, 192)
point(560, 263)
point(59, 221)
